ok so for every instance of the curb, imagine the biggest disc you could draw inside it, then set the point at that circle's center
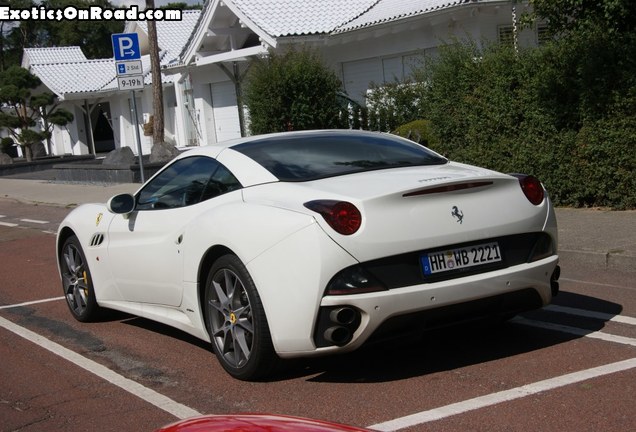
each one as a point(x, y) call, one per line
point(600, 260)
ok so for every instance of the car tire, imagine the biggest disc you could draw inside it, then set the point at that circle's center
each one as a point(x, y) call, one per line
point(77, 282)
point(236, 321)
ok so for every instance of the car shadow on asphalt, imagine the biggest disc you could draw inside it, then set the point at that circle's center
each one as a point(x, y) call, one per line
point(428, 352)
point(166, 330)
point(432, 352)
point(454, 347)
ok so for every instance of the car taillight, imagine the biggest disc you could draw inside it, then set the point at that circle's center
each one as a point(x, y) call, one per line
point(342, 216)
point(531, 187)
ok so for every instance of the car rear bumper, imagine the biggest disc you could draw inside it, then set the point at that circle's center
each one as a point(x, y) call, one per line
point(395, 312)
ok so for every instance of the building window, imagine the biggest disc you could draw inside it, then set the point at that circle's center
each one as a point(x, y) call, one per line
point(543, 35)
point(505, 35)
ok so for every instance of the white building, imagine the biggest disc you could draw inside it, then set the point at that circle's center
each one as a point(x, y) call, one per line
point(90, 86)
point(205, 56)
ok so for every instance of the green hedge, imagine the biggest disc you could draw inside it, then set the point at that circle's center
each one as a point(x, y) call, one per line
point(565, 112)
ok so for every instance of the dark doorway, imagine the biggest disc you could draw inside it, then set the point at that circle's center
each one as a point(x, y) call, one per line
point(102, 128)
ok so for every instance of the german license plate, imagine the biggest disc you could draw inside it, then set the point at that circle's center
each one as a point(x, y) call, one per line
point(460, 258)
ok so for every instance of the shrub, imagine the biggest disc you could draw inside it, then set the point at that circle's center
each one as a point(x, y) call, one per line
point(475, 101)
point(5, 144)
point(394, 104)
point(607, 153)
point(564, 112)
point(418, 131)
point(292, 91)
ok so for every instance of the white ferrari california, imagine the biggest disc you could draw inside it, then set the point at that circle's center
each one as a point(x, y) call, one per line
point(310, 243)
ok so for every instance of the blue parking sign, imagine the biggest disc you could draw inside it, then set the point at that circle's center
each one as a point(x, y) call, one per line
point(126, 46)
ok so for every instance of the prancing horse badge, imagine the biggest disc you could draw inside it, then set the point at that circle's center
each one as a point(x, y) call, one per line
point(458, 214)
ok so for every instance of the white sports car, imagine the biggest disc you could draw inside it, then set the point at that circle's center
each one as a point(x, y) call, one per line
point(311, 243)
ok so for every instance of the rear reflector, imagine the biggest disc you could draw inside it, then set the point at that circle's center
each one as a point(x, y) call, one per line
point(342, 216)
point(353, 280)
point(448, 188)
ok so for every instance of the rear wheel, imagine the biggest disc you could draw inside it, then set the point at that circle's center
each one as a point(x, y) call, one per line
point(236, 321)
point(77, 282)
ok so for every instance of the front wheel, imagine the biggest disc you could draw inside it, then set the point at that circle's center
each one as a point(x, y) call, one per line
point(77, 282)
point(236, 321)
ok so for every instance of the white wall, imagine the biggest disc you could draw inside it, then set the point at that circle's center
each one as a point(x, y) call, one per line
point(380, 54)
point(215, 104)
point(169, 108)
point(226, 115)
point(387, 52)
point(124, 122)
point(78, 131)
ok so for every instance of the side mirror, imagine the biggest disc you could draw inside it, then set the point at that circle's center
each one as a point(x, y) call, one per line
point(121, 204)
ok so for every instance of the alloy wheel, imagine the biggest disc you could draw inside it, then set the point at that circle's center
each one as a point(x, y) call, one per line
point(230, 312)
point(75, 280)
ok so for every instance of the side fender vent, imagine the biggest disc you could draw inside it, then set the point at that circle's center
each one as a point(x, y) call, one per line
point(97, 239)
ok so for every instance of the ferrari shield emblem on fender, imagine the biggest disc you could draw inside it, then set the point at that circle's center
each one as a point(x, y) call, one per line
point(458, 214)
point(99, 219)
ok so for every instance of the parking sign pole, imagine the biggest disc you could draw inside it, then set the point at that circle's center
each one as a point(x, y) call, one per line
point(130, 77)
point(141, 162)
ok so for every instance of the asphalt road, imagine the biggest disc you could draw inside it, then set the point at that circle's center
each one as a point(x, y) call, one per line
point(571, 367)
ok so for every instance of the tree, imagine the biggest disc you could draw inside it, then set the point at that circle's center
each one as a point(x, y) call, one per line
point(182, 6)
point(17, 35)
point(6, 28)
point(47, 105)
point(157, 85)
point(92, 36)
point(20, 110)
point(292, 91)
point(565, 16)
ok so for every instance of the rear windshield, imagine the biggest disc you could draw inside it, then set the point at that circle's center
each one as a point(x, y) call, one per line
point(300, 157)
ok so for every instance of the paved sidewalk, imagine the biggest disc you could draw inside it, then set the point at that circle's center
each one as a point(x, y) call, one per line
point(601, 239)
point(60, 194)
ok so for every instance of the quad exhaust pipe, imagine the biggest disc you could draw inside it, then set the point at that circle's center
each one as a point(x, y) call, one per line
point(338, 335)
point(344, 315)
point(345, 319)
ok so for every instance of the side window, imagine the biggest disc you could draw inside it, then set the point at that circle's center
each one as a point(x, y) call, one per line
point(222, 181)
point(186, 182)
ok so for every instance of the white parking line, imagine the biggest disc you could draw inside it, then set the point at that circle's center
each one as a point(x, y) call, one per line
point(181, 411)
point(591, 314)
point(35, 221)
point(31, 302)
point(504, 396)
point(530, 389)
point(576, 331)
point(168, 405)
point(8, 224)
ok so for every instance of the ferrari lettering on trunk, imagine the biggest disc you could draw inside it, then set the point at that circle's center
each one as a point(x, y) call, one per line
point(460, 258)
